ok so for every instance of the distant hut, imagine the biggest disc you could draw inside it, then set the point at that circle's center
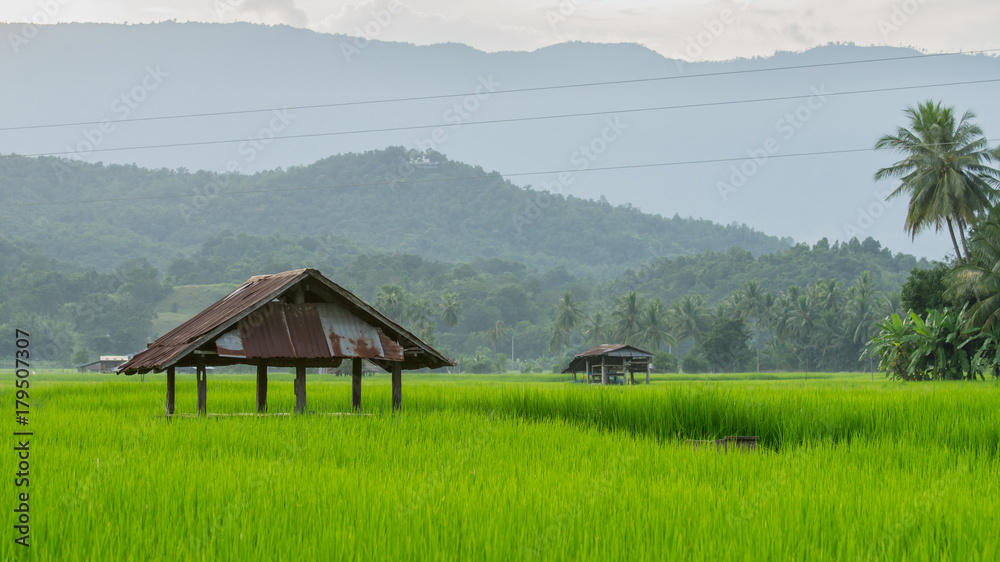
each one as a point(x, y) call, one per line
point(611, 364)
point(104, 364)
point(296, 319)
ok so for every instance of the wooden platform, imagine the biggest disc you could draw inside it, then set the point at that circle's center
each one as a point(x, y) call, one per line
point(734, 442)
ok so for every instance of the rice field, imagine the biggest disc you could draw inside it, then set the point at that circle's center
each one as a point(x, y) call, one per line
point(474, 469)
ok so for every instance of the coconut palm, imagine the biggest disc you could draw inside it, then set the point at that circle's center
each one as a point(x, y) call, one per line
point(450, 309)
point(864, 311)
point(496, 334)
point(568, 313)
point(653, 331)
point(595, 331)
point(419, 315)
point(690, 319)
point(752, 303)
point(557, 340)
point(625, 328)
point(947, 171)
point(391, 301)
point(981, 276)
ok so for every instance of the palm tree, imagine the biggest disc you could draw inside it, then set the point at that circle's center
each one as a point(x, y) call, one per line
point(626, 318)
point(557, 340)
point(892, 303)
point(864, 310)
point(419, 315)
point(496, 334)
point(690, 319)
point(595, 330)
point(653, 332)
point(568, 313)
point(752, 303)
point(451, 309)
point(946, 171)
point(391, 301)
point(981, 276)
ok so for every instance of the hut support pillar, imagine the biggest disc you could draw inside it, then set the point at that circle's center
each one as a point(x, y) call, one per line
point(586, 375)
point(648, 365)
point(201, 373)
point(604, 372)
point(171, 386)
point(356, 372)
point(300, 388)
point(397, 384)
point(262, 387)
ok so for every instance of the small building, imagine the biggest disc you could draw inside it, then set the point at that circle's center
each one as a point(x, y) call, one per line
point(611, 364)
point(296, 319)
point(104, 364)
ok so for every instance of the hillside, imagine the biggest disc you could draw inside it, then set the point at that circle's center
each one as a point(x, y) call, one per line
point(419, 210)
point(76, 73)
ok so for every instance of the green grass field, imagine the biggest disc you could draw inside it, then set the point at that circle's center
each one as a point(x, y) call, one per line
point(511, 467)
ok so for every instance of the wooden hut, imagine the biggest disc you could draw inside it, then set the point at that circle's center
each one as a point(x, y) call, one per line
point(296, 319)
point(611, 364)
point(104, 364)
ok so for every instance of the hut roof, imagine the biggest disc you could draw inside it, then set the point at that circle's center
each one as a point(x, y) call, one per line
point(616, 351)
point(283, 318)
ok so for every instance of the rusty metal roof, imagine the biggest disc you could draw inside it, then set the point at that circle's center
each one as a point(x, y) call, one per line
point(257, 321)
point(615, 352)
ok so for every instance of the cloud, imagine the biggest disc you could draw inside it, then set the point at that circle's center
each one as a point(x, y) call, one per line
point(273, 12)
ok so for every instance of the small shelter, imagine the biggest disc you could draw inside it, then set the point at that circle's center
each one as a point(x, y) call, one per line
point(296, 319)
point(610, 363)
point(104, 364)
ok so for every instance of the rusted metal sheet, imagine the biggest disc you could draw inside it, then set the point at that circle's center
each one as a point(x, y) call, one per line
point(257, 321)
point(306, 331)
point(618, 351)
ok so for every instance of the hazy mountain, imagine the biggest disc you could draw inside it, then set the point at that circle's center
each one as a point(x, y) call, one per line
point(80, 72)
point(423, 212)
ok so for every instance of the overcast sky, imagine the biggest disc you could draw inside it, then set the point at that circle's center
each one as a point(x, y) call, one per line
point(689, 29)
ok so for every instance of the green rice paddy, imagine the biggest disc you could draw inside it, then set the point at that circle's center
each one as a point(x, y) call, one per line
point(477, 469)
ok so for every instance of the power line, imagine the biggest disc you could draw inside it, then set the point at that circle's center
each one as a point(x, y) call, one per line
point(522, 119)
point(452, 179)
point(510, 91)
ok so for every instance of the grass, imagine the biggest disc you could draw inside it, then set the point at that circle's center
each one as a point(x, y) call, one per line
point(490, 470)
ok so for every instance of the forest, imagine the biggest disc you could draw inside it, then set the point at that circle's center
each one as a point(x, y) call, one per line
point(487, 312)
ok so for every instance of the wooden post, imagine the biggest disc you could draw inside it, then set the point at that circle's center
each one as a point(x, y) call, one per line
point(586, 376)
point(201, 373)
point(574, 376)
point(300, 388)
point(171, 386)
point(397, 384)
point(262, 387)
point(356, 370)
point(604, 372)
point(648, 366)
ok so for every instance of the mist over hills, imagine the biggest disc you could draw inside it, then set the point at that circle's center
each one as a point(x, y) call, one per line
point(71, 73)
point(398, 201)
